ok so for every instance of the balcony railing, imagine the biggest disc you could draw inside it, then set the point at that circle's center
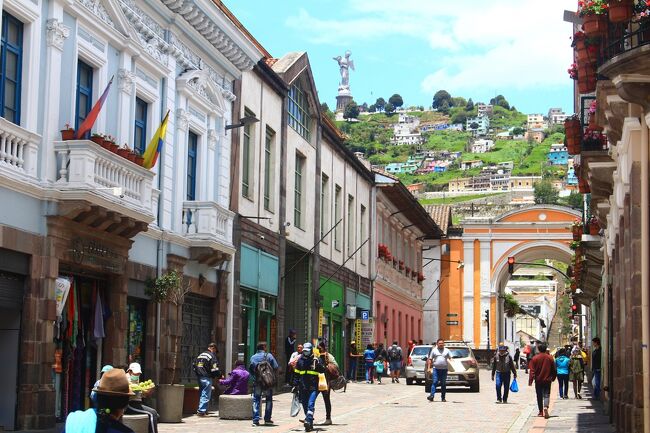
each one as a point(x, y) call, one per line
point(624, 37)
point(207, 221)
point(18, 149)
point(84, 166)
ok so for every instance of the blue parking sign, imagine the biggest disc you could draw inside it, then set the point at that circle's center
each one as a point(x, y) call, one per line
point(365, 315)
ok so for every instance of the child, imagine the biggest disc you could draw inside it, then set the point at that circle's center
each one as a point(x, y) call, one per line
point(369, 358)
point(379, 368)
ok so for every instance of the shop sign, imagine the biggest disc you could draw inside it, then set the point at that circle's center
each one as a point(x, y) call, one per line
point(357, 333)
point(335, 303)
point(452, 322)
point(365, 315)
point(367, 332)
point(274, 335)
point(320, 321)
point(94, 253)
point(350, 311)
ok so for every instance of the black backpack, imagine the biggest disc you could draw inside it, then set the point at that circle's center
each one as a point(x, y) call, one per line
point(264, 373)
point(394, 353)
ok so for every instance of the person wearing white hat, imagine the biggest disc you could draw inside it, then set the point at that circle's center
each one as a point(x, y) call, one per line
point(136, 407)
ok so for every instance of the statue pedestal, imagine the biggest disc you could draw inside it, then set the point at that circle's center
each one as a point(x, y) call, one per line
point(342, 101)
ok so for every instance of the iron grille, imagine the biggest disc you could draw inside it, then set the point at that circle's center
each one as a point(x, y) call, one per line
point(197, 333)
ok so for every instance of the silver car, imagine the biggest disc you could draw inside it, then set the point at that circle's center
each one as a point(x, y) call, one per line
point(416, 364)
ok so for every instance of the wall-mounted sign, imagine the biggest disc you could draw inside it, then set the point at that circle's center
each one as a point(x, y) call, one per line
point(365, 315)
point(452, 314)
point(452, 322)
point(91, 252)
point(335, 303)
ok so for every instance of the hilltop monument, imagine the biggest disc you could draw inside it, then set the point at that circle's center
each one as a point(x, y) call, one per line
point(345, 96)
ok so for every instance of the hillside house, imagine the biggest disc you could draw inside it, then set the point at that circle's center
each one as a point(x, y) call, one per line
point(506, 165)
point(556, 116)
point(459, 184)
point(416, 188)
point(537, 135)
point(558, 154)
point(474, 163)
point(482, 146)
point(484, 109)
point(401, 168)
point(523, 183)
point(535, 121)
point(479, 125)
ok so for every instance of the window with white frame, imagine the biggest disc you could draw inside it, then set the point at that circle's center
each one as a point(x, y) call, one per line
point(351, 226)
point(362, 231)
point(11, 60)
point(324, 205)
point(140, 125)
point(192, 154)
point(337, 216)
point(269, 144)
point(298, 188)
point(247, 160)
point(298, 111)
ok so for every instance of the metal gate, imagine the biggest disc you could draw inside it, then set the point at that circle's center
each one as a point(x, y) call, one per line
point(198, 327)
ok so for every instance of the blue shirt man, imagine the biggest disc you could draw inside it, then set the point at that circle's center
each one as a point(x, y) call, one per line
point(258, 389)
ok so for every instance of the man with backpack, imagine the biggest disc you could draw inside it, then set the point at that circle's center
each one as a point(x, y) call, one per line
point(206, 367)
point(502, 366)
point(395, 358)
point(263, 367)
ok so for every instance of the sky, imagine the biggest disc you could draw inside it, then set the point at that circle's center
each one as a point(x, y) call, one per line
point(471, 48)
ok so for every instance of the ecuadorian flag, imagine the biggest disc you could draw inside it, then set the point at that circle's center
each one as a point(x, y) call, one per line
point(155, 145)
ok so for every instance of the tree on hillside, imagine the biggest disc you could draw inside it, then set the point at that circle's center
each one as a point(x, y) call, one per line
point(380, 103)
point(372, 108)
point(575, 200)
point(396, 100)
point(460, 117)
point(474, 125)
point(389, 109)
point(458, 101)
point(364, 107)
point(470, 105)
point(325, 109)
point(351, 111)
point(440, 98)
point(517, 131)
point(545, 192)
point(501, 101)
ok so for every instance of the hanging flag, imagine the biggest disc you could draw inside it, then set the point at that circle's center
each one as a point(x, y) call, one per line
point(155, 145)
point(88, 123)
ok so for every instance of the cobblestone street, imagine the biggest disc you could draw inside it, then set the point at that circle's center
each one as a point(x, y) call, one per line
point(398, 408)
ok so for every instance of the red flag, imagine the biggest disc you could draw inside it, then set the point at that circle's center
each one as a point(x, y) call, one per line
point(88, 123)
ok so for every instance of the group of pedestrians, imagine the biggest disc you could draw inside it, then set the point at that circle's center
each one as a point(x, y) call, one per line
point(377, 362)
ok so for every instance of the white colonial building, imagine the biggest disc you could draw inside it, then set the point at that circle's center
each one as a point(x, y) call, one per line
point(83, 227)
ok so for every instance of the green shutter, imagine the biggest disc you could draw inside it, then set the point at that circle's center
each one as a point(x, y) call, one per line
point(268, 274)
point(249, 273)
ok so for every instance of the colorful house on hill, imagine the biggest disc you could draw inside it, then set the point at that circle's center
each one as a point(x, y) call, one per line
point(558, 154)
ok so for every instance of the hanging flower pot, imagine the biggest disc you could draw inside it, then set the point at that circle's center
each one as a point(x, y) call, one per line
point(583, 186)
point(620, 11)
point(139, 159)
point(67, 133)
point(587, 79)
point(577, 232)
point(586, 48)
point(573, 132)
point(594, 227)
point(595, 25)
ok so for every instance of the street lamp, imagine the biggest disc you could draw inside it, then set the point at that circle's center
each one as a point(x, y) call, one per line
point(246, 120)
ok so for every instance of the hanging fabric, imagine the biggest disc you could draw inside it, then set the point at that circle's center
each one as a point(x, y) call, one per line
point(99, 331)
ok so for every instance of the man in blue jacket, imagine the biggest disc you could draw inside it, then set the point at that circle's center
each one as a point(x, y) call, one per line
point(256, 368)
point(306, 377)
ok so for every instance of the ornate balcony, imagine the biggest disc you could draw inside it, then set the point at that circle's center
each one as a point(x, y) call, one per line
point(18, 150)
point(92, 174)
point(208, 226)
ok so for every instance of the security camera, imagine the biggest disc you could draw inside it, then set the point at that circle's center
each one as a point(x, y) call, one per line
point(287, 224)
point(262, 237)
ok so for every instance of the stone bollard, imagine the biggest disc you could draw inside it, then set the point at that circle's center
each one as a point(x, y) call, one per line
point(235, 406)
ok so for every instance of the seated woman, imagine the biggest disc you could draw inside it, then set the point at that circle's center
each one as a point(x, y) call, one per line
point(135, 406)
point(237, 382)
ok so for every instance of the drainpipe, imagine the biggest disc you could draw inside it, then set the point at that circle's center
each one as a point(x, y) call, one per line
point(645, 286)
point(229, 312)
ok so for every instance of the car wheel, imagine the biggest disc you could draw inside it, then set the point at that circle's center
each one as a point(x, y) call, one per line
point(475, 387)
point(427, 387)
point(409, 381)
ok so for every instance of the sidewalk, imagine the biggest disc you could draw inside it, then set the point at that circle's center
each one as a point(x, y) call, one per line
point(571, 415)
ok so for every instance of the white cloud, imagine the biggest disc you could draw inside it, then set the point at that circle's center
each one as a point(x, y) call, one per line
point(501, 43)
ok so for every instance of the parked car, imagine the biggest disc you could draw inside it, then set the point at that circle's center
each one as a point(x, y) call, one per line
point(463, 368)
point(416, 363)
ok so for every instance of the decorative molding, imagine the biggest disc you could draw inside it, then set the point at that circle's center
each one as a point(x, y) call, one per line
point(57, 33)
point(126, 80)
point(210, 30)
point(212, 139)
point(88, 37)
point(150, 35)
point(146, 78)
point(98, 9)
point(196, 113)
point(182, 119)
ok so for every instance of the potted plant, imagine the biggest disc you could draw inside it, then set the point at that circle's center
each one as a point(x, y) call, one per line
point(510, 305)
point(124, 151)
point(642, 18)
point(586, 48)
point(408, 271)
point(594, 140)
point(620, 11)
point(587, 77)
point(389, 257)
point(401, 265)
point(109, 143)
point(576, 229)
point(573, 134)
point(382, 250)
point(574, 245)
point(594, 16)
point(97, 138)
point(139, 159)
point(420, 277)
point(67, 133)
point(169, 288)
point(130, 155)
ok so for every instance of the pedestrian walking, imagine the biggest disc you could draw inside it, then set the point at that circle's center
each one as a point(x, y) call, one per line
point(562, 365)
point(516, 357)
point(379, 368)
point(395, 360)
point(369, 363)
point(93, 395)
point(263, 367)
point(527, 357)
point(353, 357)
point(206, 368)
point(112, 396)
point(331, 372)
point(438, 363)
point(577, 371)
point(237, 382)
point(543, 373)
point(306, 378)
point(411, 345)
point(596, 366)
point(502, 366)
point(136, 407)
point(289, 349)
